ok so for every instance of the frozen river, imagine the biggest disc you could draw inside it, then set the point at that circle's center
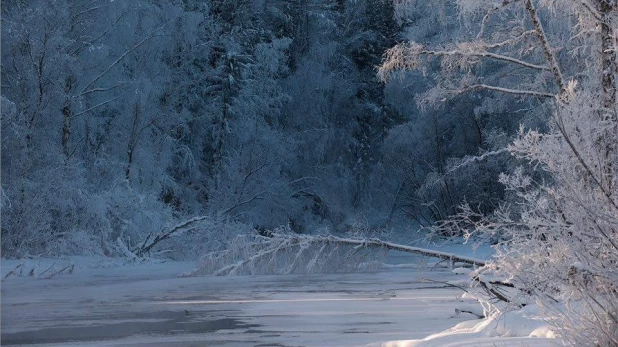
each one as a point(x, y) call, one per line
point(148, 305)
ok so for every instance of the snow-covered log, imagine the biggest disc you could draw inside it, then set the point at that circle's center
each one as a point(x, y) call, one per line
point(284, 253)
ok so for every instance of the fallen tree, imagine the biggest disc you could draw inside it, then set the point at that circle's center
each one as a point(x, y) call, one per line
point(281, 252)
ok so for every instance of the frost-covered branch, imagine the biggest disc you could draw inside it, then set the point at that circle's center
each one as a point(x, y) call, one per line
point(483, 54)
point(475, 159)
point(507, 90)
point(510, 41)
point(407, 56)
point(118, 60)
point(590, 8)
point(150, 241)
point(256, 196)
point(94, 107)
point(102, 89)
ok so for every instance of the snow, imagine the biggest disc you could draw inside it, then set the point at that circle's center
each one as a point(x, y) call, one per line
point(111, 303)
point(516, 328)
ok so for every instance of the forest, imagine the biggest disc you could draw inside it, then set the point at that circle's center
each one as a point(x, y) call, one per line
point(174, 128)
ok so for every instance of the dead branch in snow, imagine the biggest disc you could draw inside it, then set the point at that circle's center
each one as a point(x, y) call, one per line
point(34, 270)
point(478, 315)
point(15, 271)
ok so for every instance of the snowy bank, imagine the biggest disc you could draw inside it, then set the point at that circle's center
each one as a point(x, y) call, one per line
point(525, 327)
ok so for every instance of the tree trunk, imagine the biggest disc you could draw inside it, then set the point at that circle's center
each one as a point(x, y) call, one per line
point(66, 130)
point(609, 112)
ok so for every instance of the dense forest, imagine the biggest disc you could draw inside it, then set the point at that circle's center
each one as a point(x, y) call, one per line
point(121, 117)
point(495, 120)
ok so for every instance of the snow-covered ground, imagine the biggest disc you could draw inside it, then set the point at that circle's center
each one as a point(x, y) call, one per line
point(103, 304)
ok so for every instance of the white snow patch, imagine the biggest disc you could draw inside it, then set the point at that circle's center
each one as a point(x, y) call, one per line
point(524, 327)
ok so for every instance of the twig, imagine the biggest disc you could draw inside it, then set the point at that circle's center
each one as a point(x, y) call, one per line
point(49, 268)
point(13, 272)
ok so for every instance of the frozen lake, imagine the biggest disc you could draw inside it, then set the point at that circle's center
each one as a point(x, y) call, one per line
point(148, 305)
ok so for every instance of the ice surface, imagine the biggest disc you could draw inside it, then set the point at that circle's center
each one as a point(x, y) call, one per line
point(110, 306)
point(104, 303)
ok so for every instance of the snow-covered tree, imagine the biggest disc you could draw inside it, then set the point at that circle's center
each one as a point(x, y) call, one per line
point(84, 120)
point(560, 232)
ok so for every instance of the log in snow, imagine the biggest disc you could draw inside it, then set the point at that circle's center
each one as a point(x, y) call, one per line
point(285, 253)
point(453, 258)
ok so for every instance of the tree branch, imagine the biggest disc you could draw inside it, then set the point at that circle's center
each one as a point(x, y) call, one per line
point(238, 204)
point(473, 159)
point(510, 41)
point(581, 160)
point(102, 89)
point(590, 8)
point(547, 50)
point(507, 90)
point(147, 245)
point(118, 60)
point(494, 56)
point(93, 107)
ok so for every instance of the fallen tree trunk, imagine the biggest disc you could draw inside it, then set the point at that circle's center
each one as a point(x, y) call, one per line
point(285, 253)
point(452, 258)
